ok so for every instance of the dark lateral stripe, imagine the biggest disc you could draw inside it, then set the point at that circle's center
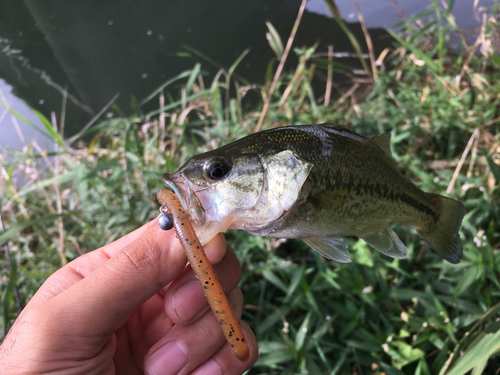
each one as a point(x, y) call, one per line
point(418, 206)
point(376, 190)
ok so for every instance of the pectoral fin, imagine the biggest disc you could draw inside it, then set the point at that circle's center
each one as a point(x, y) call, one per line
point(387, 242)
point(330, 247)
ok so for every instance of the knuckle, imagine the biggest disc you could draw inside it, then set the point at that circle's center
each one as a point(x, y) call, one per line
point(144, 254)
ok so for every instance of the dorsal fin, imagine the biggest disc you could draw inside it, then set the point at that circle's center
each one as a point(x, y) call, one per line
point(342, 131)
point(383, 141)
point(332, 124)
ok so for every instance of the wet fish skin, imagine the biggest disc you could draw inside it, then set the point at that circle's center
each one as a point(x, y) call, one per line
point(343, 184)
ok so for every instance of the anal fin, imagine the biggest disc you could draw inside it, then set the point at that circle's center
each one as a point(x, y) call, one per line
point(330, 247)
point(387, 242)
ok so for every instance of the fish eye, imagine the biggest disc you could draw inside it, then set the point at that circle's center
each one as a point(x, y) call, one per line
point(216, 169)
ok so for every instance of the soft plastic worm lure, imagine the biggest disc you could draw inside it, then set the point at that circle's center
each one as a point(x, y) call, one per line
point(204, 272)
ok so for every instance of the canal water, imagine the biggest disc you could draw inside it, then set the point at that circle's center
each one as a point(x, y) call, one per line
point(93, 50)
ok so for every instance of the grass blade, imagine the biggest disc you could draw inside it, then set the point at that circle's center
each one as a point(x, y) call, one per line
point(15, 229)
point(185, 74)
point(24, 119)
point(420, 54)
point(8, 296)
point(481, 350)
point(350, 35)
point(302, 333)
point(274, 40)
point(192, 77)
point(237, 62)
point(48, 126)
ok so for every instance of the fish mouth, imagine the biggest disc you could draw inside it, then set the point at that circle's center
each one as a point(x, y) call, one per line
point(184, 189)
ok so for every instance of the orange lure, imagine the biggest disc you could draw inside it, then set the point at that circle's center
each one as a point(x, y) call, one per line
point(205, 274)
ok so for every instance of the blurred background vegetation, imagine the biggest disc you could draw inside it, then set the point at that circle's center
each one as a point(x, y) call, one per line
point(375, 315)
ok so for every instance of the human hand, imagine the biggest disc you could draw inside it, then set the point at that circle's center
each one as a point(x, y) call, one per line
point(130, 307)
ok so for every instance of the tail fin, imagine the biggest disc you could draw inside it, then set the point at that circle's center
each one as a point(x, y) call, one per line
point(444, 237)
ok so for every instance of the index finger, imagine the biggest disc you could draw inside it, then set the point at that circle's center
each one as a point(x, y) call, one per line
point(84, 265)
point(101, 302)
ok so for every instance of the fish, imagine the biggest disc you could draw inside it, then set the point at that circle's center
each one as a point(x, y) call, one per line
point(317, 183)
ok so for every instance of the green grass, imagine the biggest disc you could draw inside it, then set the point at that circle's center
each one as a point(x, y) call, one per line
point(375, 315)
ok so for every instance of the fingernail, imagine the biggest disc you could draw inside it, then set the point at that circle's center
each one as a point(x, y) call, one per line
point(167, 360)
point(208, 368)
point(189, 301)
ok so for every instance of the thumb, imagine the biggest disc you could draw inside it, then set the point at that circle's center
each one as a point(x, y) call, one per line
point(102, 301)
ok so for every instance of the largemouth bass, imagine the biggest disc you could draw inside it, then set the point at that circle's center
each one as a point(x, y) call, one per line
point(316, 183)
